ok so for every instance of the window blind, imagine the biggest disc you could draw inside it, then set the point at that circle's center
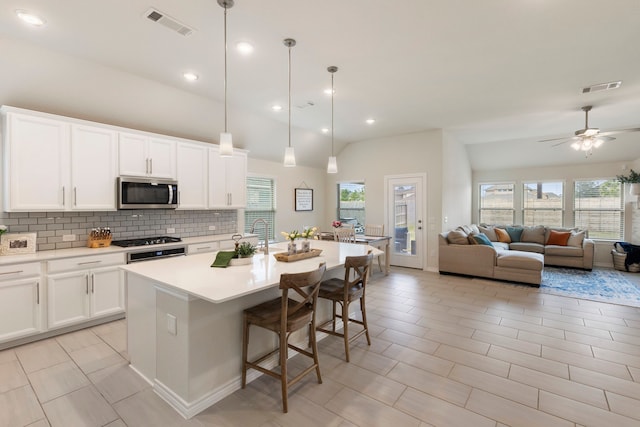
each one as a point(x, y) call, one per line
point(260, 204)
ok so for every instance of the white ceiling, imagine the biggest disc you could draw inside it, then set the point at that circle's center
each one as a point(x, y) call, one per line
point(498, 75)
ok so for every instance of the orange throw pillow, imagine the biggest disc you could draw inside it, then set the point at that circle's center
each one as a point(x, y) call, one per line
point(558, 238)
point(503, 236)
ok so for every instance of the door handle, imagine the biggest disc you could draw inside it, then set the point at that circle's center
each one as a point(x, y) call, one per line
point(75, 196)
point(146, 167)
point(93, 283)
point(151, 166)
point(37, 292)
point(63, 195)
point(87, 286)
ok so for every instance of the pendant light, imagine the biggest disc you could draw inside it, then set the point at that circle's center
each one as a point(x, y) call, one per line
point(226, 143)
point(332, 166)
point(289, 155)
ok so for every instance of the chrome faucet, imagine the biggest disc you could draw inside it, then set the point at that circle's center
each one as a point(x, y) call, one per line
point(265, 248)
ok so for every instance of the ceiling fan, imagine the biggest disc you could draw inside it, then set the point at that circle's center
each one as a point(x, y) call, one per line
point(588, 138)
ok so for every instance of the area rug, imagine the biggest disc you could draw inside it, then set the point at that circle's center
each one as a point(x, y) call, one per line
point(598, 285)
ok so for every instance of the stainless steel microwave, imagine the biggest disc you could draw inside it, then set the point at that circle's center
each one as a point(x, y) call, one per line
point(147, 193)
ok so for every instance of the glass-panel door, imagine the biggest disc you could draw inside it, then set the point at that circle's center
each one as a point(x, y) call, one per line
point(405, 225)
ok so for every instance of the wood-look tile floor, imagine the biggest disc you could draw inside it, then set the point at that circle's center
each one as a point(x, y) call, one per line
point(446, 351)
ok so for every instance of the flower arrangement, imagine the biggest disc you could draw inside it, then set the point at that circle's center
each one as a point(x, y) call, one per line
point(292, 235)
point(3, 229)
point(308, 232)
point(336, 224)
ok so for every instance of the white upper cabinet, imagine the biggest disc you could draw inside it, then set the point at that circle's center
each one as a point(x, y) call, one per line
point(94, 164)
point(52, 165)
point(141, 155)
point(193, 163)
point(227, 180)
point(36, 163)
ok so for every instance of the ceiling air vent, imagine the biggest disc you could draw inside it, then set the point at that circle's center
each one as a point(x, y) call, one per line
point(602, 86)
point(169, 22)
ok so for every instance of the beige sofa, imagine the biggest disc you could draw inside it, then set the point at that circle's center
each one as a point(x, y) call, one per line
point(521, 260)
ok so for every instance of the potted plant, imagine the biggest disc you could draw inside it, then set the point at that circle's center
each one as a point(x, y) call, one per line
point(633, 179)
point(244, 253)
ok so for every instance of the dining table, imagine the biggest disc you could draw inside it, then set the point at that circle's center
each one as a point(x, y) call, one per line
point(379, 242)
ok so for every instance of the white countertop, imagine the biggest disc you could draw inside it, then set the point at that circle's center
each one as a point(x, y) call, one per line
point(84, 251)
point(194, 275)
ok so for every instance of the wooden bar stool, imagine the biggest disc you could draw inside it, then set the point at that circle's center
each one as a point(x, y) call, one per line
point(283, 316)
point(344, 292)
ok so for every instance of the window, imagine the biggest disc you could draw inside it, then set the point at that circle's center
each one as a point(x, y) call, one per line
point(599, 207)
point(351, 203)
point(496, 204)
point(542, 203)
point(260, 204)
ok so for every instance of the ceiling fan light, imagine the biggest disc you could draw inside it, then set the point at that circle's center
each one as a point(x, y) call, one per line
point(587, 144)
point(576, 146)
point(598, 142)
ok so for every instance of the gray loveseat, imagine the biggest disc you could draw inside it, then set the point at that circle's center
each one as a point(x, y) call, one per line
point(520, 258)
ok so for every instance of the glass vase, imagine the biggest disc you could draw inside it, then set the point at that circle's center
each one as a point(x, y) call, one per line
point(292, 249)
point(306, 245)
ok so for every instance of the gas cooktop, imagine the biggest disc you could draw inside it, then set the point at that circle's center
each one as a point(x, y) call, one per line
point(146, 241)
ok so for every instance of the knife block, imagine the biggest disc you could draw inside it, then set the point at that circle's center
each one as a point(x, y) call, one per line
point(98, 243)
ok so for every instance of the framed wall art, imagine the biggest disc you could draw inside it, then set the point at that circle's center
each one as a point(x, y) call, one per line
point(304, 199)
point(18, 243)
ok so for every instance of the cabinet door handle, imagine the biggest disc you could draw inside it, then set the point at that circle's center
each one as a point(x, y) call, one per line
point(90, 262)
point(93, 283)
point(63, 201)
point(87, 288)
point(37, 292)
point(12, 272)
point(75, 196)
point(151, 166)
point(146, 166)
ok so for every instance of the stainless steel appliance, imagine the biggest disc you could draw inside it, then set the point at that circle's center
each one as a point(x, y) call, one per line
point(147, 193)
point(150, 253)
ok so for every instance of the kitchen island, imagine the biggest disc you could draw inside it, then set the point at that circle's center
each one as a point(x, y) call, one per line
point(184, 319)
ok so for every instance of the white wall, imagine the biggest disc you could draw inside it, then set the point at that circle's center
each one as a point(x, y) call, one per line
point(456, 184)
point(568, 174)
point(287, 179)
point(370, 161)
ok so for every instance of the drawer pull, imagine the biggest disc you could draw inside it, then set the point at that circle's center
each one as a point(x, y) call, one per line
point(37, 292)
point(13, 272)
point(90, 262)
point(203, 247)
point(87, 277)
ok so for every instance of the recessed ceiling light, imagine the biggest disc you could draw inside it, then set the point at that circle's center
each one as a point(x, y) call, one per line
point(191, 77)
point(30, 18)
point(244, 48)
point(328, 91)
point(325, 130)
point(276, 107)
point(370, 121)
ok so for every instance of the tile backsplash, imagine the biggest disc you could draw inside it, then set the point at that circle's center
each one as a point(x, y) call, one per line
point(124, 224)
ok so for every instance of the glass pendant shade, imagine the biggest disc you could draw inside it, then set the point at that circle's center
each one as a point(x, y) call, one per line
point(226, 145)
point(289, 157)
point(332, 166)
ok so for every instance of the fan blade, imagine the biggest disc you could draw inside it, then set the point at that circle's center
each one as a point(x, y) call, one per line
point(613, 132)
point(564, 142)
point(604, 137)
point(565, 139)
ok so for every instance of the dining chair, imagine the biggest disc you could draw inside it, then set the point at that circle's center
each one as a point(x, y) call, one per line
point(283, 316)
point(344, 235)
point(375, 230)
point(344, 292)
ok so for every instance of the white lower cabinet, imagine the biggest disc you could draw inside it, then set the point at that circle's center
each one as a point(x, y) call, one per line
point(89, 287)
point(20, 301)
